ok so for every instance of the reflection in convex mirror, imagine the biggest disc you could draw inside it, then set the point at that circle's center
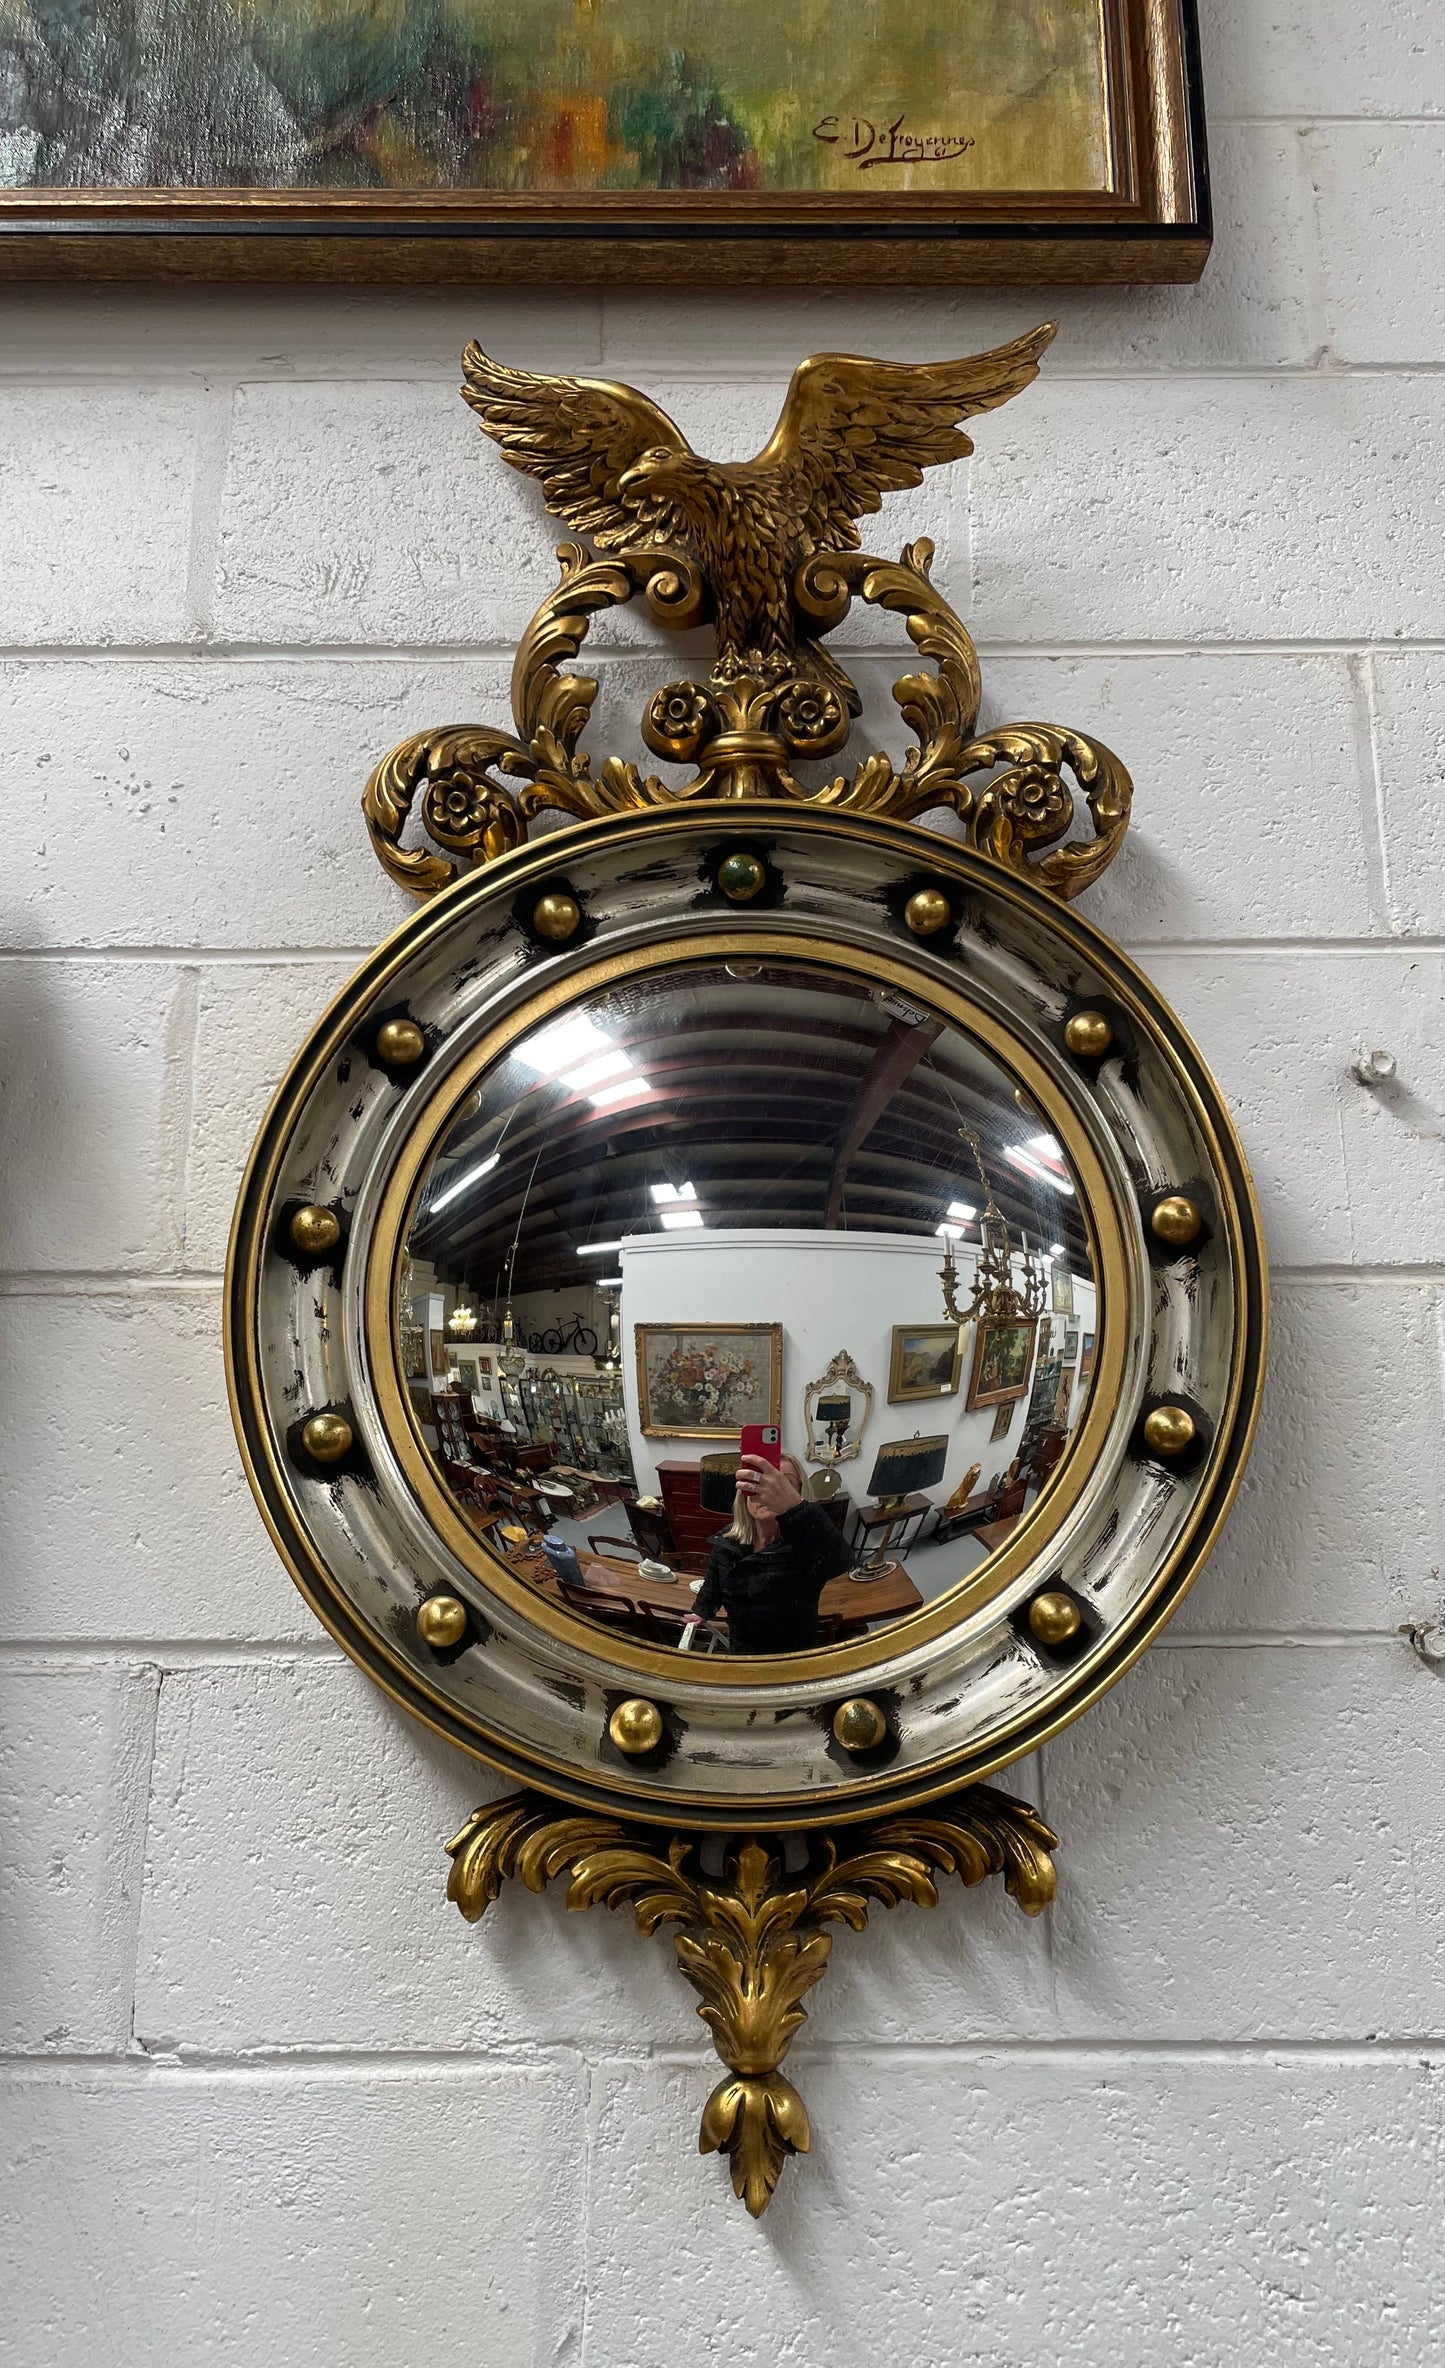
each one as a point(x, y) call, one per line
point(747, 1194)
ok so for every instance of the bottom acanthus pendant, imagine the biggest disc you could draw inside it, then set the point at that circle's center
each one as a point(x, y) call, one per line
point(753, 1940)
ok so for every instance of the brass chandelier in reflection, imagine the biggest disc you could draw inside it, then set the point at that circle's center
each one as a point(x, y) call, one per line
point(999, 1295)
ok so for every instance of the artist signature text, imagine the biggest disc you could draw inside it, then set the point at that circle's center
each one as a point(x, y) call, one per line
point(866, 143)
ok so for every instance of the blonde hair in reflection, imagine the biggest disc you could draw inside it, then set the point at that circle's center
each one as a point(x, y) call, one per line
point(744, 1528)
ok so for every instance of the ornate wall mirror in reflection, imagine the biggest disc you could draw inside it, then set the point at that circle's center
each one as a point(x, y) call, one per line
point(747, 1117)
point(836, 1412)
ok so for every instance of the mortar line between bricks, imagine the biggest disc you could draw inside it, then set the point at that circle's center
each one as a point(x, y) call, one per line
point(58, 1284)
point(716, 373)
point(208, 487)
point(1378, 123)
point(169, 1656)
point(412, 653)
point(261, 2065)
point(178, 1108)
point(137, 1849)
point(1374, 832)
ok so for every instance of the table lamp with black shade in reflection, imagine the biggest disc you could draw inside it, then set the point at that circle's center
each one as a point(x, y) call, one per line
point(833, 1415)
point(902, 1468)
point(717, 1482)
point(903, 1465)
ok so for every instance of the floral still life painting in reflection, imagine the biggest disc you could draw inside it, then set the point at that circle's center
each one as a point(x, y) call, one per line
point(706, 1383)
point(586, 95)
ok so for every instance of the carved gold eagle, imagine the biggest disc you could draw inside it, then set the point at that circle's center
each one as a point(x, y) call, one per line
point(621, 472)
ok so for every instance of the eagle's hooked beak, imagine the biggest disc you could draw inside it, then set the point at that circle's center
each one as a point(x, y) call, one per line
point(641, 473)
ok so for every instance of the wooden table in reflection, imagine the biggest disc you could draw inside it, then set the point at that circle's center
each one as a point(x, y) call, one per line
point(845, 1605)
point(993, 1534)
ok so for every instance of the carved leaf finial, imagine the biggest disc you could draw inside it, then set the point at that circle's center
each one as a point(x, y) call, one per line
point(753, 1943)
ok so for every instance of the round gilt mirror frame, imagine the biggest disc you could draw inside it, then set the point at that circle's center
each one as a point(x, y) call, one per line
point(748, 1804)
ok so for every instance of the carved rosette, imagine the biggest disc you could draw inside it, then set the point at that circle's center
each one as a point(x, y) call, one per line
point(754, 1940)
point(1017, 791)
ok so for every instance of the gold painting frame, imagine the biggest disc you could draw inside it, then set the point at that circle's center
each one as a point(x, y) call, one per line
point(899, 1394)
point(1146, 219)
point(983, 1333)
point(643, 1333)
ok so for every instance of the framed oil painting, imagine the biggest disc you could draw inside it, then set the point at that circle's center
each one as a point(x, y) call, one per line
point(1086, 1357)
point(704, 1381)
point(964, 140)
point(1044, 1392)
point(1002, 1355)
point(925, 1362)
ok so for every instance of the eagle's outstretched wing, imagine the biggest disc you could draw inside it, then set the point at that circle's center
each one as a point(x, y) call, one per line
point(577, 437)
point(852, 430)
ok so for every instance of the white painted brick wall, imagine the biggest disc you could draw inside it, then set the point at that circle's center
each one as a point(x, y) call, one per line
point(263, 2097)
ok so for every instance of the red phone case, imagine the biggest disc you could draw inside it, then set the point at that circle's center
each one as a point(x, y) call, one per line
point(764, 1439)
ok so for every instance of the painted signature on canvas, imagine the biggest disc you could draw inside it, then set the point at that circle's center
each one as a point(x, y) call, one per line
point(866, 143)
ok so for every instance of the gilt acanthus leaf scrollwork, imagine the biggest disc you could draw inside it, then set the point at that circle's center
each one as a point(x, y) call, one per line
point(1016, 791)
point(753, 1940)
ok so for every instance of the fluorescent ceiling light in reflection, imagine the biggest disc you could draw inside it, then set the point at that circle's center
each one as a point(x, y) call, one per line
point(610, 1064)
point(949, 1233)
point(1046, 1145)
point(664, 1193)
point(961, 1213)
point(1057, 1250)
point(617, 1092)
point(596, 1249)
point(464, 1183)
point(1029, 1166)
point(608, 1282)
point(563, 1045)
point(675, 1219)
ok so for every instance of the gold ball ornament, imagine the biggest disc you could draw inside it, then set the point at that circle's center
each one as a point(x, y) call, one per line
point(326, 1438)
point(1169, 1430)
point(401, 1043)
point(556, 916)
point(741, 877)
point(636, 1727)
point(1054, 1617)
point(1176, 1221)
point(315, 1231)
point(1088, 1034)
point(927, 911)
point(859, 1725)
point(442, 1621)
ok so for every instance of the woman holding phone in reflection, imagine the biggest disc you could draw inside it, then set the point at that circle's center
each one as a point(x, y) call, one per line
point(768, 1570)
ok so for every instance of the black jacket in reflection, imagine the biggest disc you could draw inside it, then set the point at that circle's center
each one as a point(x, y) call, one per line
point(770, 1593)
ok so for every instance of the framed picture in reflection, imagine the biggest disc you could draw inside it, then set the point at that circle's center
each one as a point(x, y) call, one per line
point(1062, 1396)
point(925, 1362)
point(1071, 1348)
point(1003, 1418)
point(704, 1381)
point(1063, 1291)
point(1086, 1358)
point(1002, 1355)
